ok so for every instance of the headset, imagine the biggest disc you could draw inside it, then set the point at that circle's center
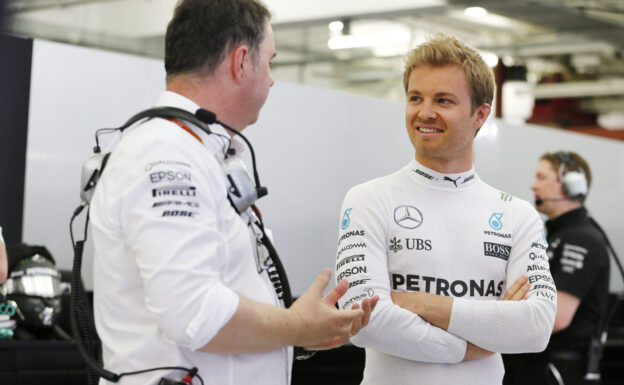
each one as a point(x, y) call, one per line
point(242, 193)
point(574, 181)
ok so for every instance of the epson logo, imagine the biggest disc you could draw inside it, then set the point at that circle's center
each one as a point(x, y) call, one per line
point(186, 191)
point(169, 175)
point(496, 250)
point(349, 272)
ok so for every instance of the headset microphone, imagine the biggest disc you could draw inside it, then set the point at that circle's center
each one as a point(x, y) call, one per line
point(538, 202)
point(206, 116)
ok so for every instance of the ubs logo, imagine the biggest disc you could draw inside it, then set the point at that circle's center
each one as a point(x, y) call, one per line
point(408, 217)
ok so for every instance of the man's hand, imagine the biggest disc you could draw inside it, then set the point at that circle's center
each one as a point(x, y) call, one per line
point(518, 291)
point(368, 305)
point(320, 325)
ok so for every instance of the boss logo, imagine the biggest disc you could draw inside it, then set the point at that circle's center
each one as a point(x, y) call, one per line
point(496, 250)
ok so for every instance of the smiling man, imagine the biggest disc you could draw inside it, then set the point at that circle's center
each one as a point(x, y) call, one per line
point(441, 248)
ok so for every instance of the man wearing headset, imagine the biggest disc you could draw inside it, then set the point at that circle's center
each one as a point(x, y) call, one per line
point(439, 246)
point(579, 263)
point(178, 278)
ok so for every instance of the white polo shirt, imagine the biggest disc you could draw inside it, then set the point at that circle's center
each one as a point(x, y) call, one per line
point(171, 255)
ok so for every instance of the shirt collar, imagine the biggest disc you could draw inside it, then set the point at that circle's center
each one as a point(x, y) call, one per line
point(216, 142)
point(572, 216)
point(429, 177)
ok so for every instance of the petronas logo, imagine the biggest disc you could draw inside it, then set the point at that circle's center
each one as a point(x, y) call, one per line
point(506, 197)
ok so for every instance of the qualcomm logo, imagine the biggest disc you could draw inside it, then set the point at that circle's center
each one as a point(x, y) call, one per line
point(344, 223)
point(496, 221)
point(408, 217)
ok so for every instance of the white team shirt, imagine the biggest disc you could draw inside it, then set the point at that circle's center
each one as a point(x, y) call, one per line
point(171, 254)
point(452, 235)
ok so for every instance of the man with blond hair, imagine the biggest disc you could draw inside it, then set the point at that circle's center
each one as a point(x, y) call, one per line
point(440, 247)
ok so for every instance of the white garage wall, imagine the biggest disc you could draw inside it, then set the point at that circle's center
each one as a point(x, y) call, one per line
point(311, 146)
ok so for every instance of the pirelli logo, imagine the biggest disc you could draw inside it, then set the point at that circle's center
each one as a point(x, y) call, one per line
point(496, 250)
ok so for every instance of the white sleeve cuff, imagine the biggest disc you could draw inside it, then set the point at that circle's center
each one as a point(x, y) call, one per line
point(218, 307)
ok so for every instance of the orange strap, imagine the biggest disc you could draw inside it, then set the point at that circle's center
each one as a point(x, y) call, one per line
point(185, 128)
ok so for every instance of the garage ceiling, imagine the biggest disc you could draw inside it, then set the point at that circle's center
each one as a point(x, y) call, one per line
point(580, 43)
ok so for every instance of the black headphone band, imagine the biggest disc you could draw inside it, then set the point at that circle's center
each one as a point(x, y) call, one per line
point(167, 112)
point(564, 157)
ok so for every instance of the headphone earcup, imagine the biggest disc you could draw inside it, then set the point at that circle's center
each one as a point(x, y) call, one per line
point(574, 184)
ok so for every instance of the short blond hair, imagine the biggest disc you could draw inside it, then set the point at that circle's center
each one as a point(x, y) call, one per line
point(441, 50)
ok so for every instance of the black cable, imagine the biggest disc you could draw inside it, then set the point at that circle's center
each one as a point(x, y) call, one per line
point(82, 324)
point(610, 247)
point(251, 151)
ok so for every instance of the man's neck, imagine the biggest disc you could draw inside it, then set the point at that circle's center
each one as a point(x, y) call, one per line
point(446, 166)
point(564, 207)
point(210, 94)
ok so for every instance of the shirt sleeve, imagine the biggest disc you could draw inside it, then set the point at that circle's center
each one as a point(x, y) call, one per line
point(514, 326)
point(362, 259)
point(170, 214)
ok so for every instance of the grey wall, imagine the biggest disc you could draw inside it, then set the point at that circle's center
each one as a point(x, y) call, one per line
point(311, 146)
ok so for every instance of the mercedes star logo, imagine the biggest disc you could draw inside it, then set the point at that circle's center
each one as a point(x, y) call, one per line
point(408, 217)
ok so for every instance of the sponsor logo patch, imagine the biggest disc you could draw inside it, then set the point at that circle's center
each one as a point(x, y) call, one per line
point(169, 175)
point(350, 259)
point(351, 233)
point(150, 166)
point(175, 203)
point(186, 191)
point(496, 221)
point(496, 250)
point(368, 293)
point(441, 286)
point(344, 223)
point(408, 217)
point(350, 271)
point(395, 245)
point(505, 197)
point(179, 213)
point(350, 246)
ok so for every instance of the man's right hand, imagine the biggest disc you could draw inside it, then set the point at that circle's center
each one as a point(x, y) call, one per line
point(320, 324)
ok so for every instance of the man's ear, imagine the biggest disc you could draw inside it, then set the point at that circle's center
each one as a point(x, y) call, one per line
point(240, 57)
point(481, 114)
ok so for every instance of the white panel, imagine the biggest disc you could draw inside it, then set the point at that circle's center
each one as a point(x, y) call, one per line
point(311, 145)
point(73, 92)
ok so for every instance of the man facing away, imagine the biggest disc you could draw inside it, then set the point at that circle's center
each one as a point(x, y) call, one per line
point(439, 246)
point(190, 290)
